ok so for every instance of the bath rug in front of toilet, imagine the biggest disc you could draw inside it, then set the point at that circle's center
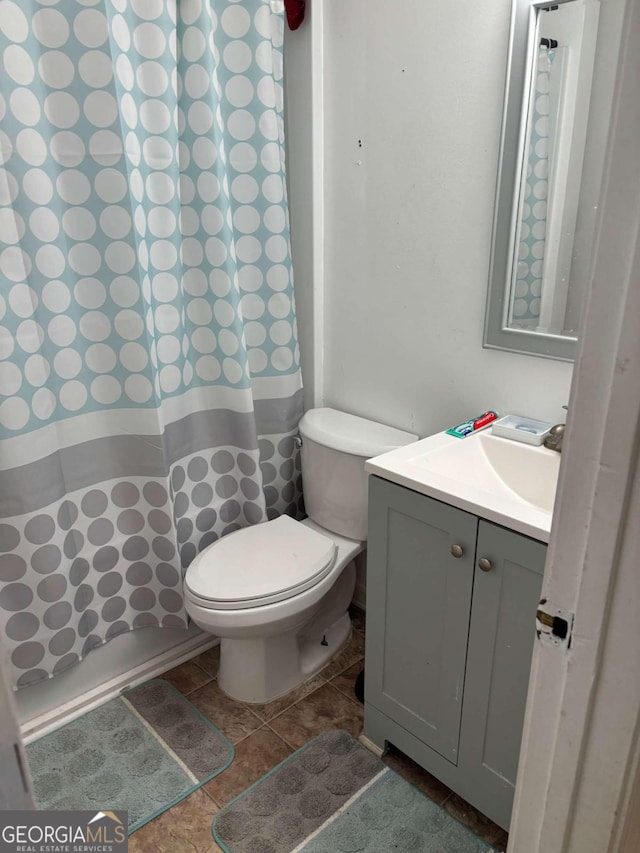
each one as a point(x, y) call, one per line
point(333, 795)
point(143, 751)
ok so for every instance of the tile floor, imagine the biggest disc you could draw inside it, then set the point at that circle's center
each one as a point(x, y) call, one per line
point(263, 735)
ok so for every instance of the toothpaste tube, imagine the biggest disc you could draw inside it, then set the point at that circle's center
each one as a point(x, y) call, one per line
point(469, 427)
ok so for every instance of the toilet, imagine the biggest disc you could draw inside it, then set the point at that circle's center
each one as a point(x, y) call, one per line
point(277, 593)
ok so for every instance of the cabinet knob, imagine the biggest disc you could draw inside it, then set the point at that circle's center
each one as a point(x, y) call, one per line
point(457, 550)
point(485, 564)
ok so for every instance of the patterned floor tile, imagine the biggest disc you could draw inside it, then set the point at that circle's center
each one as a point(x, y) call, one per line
point(255, 756)
point(417, 776)
point(345, 681)
point(350, 654)
point(358, 618)
point(501, 842)
point(269, 710)
point(324, 702)
point(209, 660)
point(233, 718)
point(184, 827)
point(475, 820)
point(324, 709)
point(187, 677)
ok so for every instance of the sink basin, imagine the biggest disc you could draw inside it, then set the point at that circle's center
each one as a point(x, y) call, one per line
point(491, 463)
point(505, 481)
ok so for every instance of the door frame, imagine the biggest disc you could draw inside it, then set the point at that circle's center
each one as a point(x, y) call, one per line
point(580, 757)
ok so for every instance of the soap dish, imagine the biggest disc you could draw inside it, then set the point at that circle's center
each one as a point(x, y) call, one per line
point(521, 429)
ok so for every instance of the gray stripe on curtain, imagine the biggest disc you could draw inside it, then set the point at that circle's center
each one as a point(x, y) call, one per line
point(280, 415)
point(31, 487)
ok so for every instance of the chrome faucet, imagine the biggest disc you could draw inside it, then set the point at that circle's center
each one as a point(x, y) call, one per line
point(554, 440)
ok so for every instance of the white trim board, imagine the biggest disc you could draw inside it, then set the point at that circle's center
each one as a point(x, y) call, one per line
point(318, 196)
point(579, 754)
point(370, 745)
point(44, 723)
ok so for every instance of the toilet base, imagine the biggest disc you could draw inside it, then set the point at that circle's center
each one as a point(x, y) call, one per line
point(260, 670)
point(314, 654)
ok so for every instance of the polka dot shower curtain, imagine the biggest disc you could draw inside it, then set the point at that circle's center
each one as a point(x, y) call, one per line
point(527, 304)
point(149, 374)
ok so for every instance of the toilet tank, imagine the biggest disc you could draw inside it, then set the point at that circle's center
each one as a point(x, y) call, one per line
point(335, 446)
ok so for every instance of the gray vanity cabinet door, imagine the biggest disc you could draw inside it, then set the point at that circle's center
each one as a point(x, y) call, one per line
point(501, 638)
point(418, 600)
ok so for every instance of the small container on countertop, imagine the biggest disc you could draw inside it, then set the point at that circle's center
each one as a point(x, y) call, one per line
point(517, 428)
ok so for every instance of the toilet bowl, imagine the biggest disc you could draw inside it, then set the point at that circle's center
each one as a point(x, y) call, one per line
point(277, 593)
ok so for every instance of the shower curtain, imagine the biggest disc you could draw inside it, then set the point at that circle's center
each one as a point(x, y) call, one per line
point(149, 373)
point(525, 311)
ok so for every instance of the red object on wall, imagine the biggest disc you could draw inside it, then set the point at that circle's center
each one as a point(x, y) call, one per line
point(295, 12)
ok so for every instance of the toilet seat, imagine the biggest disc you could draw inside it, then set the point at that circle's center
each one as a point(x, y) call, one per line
point(260, 565)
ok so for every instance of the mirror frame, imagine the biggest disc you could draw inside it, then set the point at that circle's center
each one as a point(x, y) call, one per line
point(497, 335)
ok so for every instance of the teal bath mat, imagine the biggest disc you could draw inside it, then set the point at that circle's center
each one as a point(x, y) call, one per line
point(143, 752)
point(334, 796)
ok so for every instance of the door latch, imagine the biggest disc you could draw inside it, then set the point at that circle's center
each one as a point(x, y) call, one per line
point(553, 625)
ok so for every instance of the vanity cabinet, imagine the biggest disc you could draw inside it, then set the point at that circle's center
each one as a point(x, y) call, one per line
point(451, 603)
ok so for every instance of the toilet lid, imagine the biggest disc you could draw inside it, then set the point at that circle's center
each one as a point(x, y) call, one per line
point(262, 564)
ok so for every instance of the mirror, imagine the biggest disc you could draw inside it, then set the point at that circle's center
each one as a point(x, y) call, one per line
point(537, 267)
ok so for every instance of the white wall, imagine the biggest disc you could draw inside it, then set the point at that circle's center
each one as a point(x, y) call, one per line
point(301, 151)
point(408, 215)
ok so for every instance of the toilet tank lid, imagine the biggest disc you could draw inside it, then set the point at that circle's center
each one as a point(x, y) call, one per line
point(351, 434)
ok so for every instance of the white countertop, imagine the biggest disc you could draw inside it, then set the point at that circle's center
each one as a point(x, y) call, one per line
point(504, 481)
